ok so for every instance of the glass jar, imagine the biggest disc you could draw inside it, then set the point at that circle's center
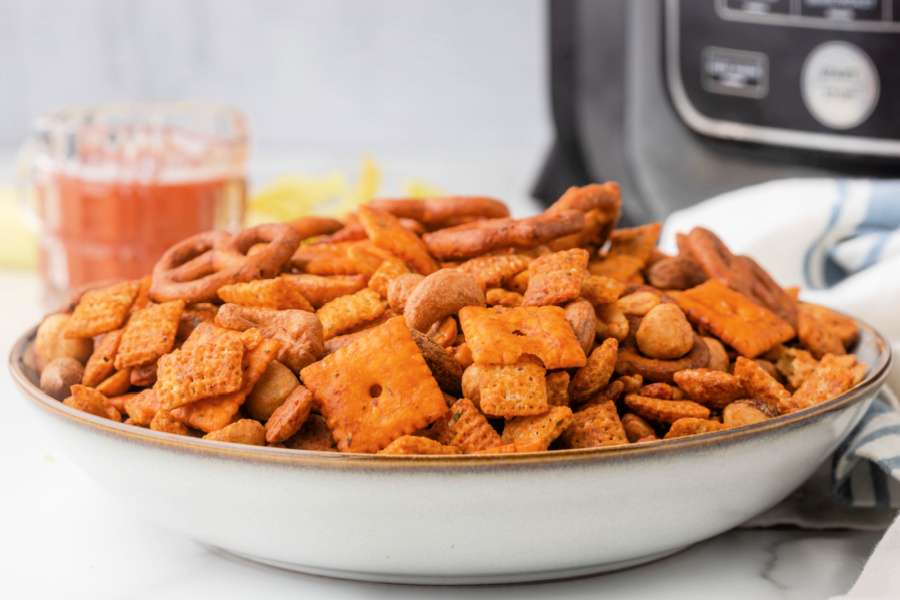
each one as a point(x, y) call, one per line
point(113, 186)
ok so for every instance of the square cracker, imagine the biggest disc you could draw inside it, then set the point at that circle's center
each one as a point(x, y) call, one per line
point(500, 335)
point(513, 390)
point(344, 313)
point(102, 310)
point(733, 317)
point(279, 293)
point(211, 414)
point(207, 364)
point(149, 334)
point(375, 389)
point(556, 278)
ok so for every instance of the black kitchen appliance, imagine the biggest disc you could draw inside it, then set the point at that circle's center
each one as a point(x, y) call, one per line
point(680, 100)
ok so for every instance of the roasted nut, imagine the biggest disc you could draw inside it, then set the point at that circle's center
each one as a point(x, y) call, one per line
point(440, 295)
point(245, 431)
point(638, 304)
point(675, 273)
point(665, 333)
point(51, 342)
point(718, 356)
point(59, 375)
point(581, 316)
point(612, 322)
point(270, 391)
point(630, 362)
point(742, 412)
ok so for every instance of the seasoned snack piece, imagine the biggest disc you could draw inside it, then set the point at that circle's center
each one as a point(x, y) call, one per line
point(623, 268)
point(675, 273)
point(386, 232)
point(501, 297)
point(637, 242)
point(832, 377)
point(399, 290)
point(733, 317)
point(102, 310)
point(581, 316)
point(415, 444)
point(742, 412)
point(339, 258)
point(390, 269)
point(718, 356)
point(50, 342)
point(116, 384)
point(194, 269)
point(314, 435)
point(556, 278)
point(208, 364)
point(60, 375)
point(100, 365)
point(638, 304)
point(470, 384)
point(693, 426)
point(630, 362)
point(715, 389)
point(279, 293)
point(165, 422)
point(375, 389)
point(502, 335)
point(311, 226)
point(598, 290)
point(445, 369)
point(664, 333)
point(270, 392)
point(143, 375)
point(740, 273)
point(299, 332)
point(596, 425)
point(440, 295)
point(355, 231)
point(142, 407)
point(216, 412)
point(637, 429)
point(537, 432)
point(244, 431)
point(761, 386)
point(612, 322)
point(344, 313)
point(468, 429)
point(661, 391)
point(665, 411)
point(288, 418)
point(795, 365)
point(594, 375)
point(513, 390)
point(823, 331)
point(444, 332)
point(91, 401)
point(192, 316)
point(481, 237)
point(446, 211)
point(496, 270)
point(600, 203)
point(844, 327)
point(557, 388)
point(319, 289)
point(149, 334)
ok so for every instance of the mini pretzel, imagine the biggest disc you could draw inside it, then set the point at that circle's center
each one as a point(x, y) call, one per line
point(195, 268)
point(435, 213)
point(312, 226)
point(630, 362)
point(354, 231)
point(479, 237)
point(741, 273)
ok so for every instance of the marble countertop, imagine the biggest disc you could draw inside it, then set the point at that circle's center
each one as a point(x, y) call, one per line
point(63, 536)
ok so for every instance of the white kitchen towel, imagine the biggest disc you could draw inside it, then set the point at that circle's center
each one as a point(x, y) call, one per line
point(840, 241)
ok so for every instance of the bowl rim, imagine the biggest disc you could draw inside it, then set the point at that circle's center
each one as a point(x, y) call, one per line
point(332, 460)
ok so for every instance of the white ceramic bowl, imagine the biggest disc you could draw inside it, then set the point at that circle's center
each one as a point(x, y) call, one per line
point(457, 519)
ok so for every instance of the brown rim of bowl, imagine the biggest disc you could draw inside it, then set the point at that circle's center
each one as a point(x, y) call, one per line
point(313, 458)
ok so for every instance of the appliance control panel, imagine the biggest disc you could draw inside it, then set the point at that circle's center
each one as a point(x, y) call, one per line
point(818, 74)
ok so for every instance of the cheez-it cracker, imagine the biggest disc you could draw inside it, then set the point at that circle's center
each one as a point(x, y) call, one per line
point(733, 317)
point(501, 336)
point(375, 389)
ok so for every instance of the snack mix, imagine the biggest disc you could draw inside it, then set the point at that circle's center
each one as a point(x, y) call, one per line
point(443, 326)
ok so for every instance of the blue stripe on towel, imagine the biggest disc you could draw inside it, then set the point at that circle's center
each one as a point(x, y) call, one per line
point(816, 250)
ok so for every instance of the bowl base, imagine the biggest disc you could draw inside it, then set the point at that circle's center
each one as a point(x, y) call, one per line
point(455, 579)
